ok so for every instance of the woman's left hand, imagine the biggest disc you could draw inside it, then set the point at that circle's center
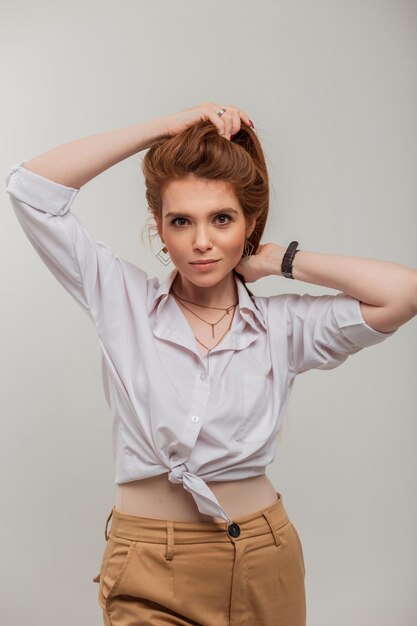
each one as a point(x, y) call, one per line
point(266, 261)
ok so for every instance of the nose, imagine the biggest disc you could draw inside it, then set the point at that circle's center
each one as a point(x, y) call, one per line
point(202, 239)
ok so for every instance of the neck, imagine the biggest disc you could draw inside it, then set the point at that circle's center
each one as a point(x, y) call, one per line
point(222, 294)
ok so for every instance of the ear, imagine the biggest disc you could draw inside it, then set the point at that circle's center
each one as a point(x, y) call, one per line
point(251, 227)
point(158, 225)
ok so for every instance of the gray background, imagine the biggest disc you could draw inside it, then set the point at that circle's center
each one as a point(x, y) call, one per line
point(331, 89)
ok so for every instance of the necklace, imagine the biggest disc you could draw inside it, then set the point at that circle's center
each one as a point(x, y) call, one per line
point(227, 309)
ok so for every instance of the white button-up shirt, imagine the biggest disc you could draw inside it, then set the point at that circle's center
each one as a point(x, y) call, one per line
point(196, 418)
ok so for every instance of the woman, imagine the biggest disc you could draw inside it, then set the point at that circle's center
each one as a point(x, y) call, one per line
point(198, 371)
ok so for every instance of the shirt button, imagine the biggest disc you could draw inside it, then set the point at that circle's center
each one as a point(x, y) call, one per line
point(195, 419)
point(203, 376)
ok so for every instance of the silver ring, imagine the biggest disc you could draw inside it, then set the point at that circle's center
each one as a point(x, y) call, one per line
point(220, 113)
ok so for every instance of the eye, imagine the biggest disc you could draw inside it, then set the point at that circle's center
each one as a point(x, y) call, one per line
point(175, 219)
point(224, 215)
point(222, 223)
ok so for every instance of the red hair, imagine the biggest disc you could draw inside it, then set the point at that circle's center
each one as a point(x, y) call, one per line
point(201, 152)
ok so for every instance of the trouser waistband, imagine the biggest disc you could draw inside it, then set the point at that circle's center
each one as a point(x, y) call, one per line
point(155, 530)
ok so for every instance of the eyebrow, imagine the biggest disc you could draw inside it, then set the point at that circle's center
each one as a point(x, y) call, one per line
point(180, 213)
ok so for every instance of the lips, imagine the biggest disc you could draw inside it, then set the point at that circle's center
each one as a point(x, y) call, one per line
point(203, 262)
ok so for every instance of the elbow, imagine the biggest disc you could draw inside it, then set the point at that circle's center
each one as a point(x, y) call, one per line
point(388, 318)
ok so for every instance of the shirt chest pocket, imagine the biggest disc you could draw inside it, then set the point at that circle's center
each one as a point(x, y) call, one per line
point(257, 420)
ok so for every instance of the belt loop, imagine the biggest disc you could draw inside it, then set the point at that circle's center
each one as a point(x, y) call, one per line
point(107, 523)
point(170, 540)
point(269, 518)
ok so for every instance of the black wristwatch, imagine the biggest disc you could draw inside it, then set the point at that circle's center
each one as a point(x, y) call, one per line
point(287, 260)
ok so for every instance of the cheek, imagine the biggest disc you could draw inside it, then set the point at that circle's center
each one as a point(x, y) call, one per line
point(238, 240)
point(178, 248)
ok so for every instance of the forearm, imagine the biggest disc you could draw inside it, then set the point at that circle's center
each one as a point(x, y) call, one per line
point(75, 163)
point(375, 282)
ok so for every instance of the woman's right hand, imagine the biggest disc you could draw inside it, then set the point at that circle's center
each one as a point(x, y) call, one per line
point(227, 124)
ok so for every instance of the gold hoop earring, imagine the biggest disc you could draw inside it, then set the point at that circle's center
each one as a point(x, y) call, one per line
point(247, 250)
point(163, 256)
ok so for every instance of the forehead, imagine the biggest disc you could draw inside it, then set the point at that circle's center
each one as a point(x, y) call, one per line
point(198, 193)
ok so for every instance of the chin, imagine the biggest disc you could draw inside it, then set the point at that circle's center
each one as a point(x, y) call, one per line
point(204, 279)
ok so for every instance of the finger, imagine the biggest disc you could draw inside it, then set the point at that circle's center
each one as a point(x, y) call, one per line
point(235, 121)
point(227, 118)
point(245, 117)
point(231, 120)
point(216, 119)
point(229, 123)
point(239, 117)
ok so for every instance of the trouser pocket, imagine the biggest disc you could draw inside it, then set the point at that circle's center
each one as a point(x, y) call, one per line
point(300, 547)
point(115, 561)
point(96, 579)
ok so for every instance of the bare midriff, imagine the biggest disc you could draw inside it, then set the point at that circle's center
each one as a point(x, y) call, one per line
point(157, 497)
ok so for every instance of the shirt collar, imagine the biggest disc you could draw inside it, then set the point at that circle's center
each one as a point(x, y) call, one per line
point(246, 306)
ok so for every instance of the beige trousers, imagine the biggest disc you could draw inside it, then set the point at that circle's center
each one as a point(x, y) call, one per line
point(158, 572)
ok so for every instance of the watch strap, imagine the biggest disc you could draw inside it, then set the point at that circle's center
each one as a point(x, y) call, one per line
point(287, 260)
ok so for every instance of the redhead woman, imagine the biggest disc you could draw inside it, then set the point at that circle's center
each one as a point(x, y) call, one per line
point(197, 370)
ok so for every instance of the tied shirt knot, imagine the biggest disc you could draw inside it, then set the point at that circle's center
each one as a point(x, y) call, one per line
point(205, 499)
point(176, 473)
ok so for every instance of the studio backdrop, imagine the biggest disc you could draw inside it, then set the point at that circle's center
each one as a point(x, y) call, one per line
point(331, 89)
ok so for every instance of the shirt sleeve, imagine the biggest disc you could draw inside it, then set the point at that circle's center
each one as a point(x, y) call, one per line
point(322, 331)
point(83, 266)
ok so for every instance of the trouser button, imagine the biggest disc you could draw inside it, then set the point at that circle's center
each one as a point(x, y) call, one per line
point(233, 530)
